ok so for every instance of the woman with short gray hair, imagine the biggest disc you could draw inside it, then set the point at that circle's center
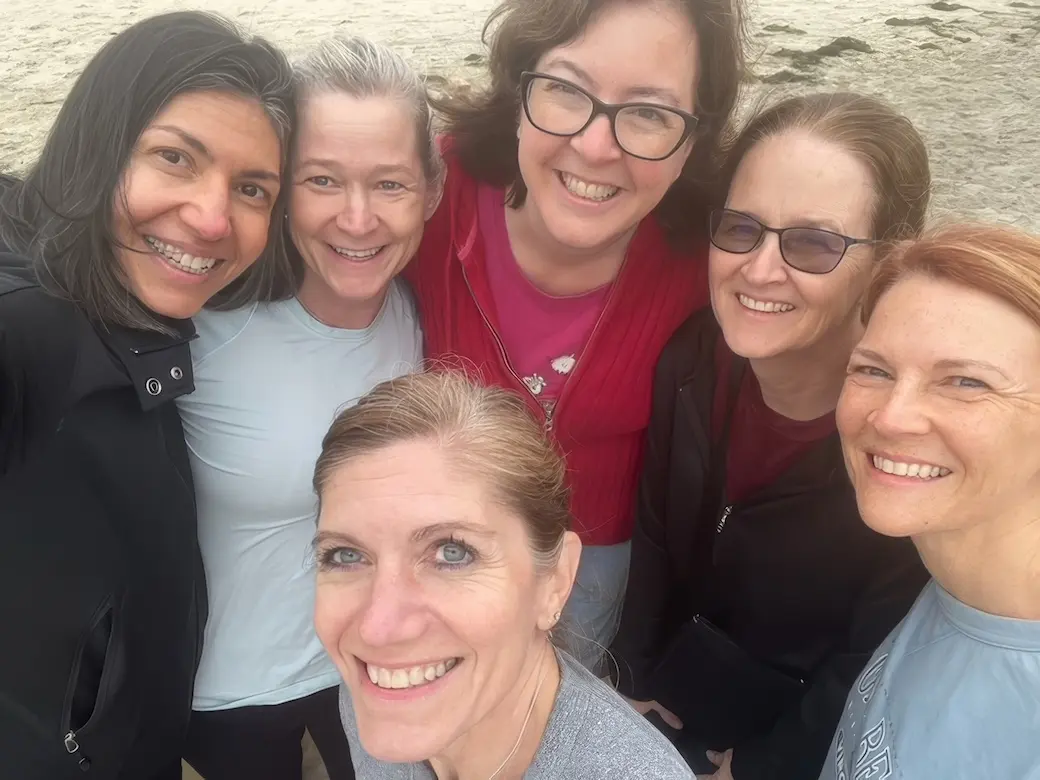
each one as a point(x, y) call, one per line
point(269, 380)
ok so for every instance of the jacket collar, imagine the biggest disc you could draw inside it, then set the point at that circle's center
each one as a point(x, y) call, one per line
point(158, 365)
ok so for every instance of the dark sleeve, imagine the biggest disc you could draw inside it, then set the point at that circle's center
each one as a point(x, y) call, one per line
point(649, 577)
point(798, 744)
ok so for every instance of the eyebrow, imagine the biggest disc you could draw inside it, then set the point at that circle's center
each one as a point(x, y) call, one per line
point(946, 365)
point(808, 222)
point(968, 363)
point(642, 91)
point(201, 148)
point(427, 532)
point(379, 170)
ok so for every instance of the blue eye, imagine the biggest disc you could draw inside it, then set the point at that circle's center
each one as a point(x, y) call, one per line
point(869, 371)
point(453, 554)
point(338, 558)
point(967, 383)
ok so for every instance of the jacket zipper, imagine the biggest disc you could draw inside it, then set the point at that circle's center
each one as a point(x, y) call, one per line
point(588, 342)
point(722, 520)
point(498, 341)
point(549, 412)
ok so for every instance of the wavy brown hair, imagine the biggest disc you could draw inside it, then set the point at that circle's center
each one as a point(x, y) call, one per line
point(482, 123)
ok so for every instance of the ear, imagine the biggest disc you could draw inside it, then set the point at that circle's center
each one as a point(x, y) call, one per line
point(561, 580)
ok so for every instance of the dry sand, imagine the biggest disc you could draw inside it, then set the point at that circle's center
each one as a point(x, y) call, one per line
point(967, 73)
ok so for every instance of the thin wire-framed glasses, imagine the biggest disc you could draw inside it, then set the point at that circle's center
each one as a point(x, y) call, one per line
point(649, 131)
point(811, 250)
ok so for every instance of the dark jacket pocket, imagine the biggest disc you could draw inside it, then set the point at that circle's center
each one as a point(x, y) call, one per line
point(96, 672)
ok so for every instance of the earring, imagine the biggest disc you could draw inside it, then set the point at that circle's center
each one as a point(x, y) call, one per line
point(556, 618)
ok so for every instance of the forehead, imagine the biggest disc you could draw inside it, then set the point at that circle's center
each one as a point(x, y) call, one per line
point(795, 175)
point(922, 320)
point(632, 47)
point(232, 127)
point(354, 131)
point(396, 490)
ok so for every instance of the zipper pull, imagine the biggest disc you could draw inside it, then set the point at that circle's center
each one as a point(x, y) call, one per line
point(72, 747)
point(723, 519)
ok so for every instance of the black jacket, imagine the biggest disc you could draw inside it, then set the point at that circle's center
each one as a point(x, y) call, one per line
point(102, 596)
point(794, 577)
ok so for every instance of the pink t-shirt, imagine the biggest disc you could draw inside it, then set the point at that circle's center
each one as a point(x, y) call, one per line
point(543, 334)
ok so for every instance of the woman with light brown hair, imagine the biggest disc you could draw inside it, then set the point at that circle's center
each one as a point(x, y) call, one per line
point(570, 242)
point(445, 557)
point(940, 424)
point(756, 595)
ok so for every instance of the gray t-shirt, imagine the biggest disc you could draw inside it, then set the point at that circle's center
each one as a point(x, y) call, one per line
point(592, 734)
point(952, 694)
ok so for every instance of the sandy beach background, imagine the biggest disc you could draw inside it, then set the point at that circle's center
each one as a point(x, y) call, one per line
point(967, 73)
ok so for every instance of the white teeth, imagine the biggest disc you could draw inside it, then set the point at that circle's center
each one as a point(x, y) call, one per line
point(900, 469)
point(767, 306)
point(413, 677)
point(360, 254)
point(584, 189)
point(181, 259)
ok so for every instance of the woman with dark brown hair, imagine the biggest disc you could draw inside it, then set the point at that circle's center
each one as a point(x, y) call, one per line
point(569, 244)
point(756, 594)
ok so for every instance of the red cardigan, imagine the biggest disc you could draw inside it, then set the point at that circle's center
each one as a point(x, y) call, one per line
point(600, 419)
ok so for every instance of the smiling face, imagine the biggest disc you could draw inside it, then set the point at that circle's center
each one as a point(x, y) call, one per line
point(940, 414)
point(584, 193)
point(194, 206)
point(765, 307)
point(428, 599)
point(359, 202)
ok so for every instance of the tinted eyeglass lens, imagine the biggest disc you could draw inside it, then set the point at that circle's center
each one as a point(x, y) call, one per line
point(814, 251)
point(647, 131)
point(732, 232)
point(557, 108)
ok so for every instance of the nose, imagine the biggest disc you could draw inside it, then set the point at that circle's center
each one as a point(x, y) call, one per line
point(208, 211)
point(764, 264)
point(393, 613)
point(901, 413)
point(596, 143)
point(357, 218)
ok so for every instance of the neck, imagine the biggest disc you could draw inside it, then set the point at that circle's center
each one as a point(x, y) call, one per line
point(481, 752)
point(557, 269)
point(806, 384)
point(329, 309)
point(992, 566)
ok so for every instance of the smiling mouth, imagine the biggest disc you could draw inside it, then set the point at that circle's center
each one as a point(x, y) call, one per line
point(595, 193)
point(922, 471)
point(181, 260)
point(768, 307)
point(359, 255)
point(409, 677)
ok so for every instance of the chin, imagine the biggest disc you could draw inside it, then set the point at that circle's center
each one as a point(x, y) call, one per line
point(397, 744)
point(174, 308)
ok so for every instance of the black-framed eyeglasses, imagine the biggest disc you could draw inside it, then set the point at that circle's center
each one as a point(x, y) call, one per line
point(812, 250)
point(648, 131)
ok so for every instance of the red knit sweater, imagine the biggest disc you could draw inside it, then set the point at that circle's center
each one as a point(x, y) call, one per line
point(601, 416)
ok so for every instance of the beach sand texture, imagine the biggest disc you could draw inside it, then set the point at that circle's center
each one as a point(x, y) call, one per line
point(967, 73)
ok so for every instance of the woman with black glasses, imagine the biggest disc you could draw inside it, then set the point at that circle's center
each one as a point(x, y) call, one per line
point(756, 594)
point(563, 255)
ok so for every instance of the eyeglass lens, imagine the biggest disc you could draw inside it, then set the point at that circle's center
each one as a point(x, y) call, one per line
point(644, 131)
